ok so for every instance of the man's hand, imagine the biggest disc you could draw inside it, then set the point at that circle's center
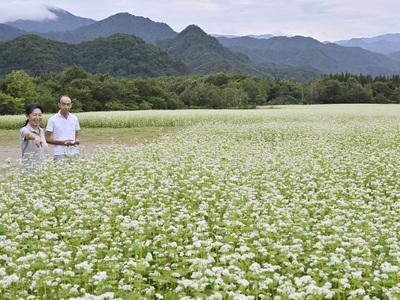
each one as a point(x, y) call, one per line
point(69, 143)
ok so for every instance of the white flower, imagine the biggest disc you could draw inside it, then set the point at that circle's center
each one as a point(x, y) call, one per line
point(8, 280)
point(100, 276)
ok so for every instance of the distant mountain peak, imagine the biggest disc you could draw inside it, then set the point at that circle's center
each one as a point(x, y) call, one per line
point(193, 31)
point(191, 36)
point(57, 10)
point(124, 22)
point(63, 21)
point(202, 52)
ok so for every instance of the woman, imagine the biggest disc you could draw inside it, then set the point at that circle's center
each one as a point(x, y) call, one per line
point(33, 143)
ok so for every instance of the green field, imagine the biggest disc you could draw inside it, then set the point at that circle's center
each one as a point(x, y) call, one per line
point(290, 203)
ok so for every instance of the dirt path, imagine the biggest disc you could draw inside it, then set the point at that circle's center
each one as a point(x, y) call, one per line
point(13, 152)
point(92, 139)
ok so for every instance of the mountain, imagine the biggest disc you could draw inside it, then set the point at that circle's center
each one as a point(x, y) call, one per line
point(287, 57)
point(141, 27)
point(329, 58)
point(144, 28)
point(64, 21)
point(278, 43)
point(395, 56)
point(261, 36)
point(119, 55)
point(8, 32)
point(384, 44)
point(204, 54)
point(34, 55)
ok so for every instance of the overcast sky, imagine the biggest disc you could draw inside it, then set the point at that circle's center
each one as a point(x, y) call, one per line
point(324, 20)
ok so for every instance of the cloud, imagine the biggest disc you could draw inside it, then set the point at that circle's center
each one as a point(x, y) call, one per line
point(328, 20)
point(24, 10)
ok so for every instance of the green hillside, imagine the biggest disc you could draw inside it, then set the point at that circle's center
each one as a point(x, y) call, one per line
point(297, 51)
point(119, 55)
point(204, 54)
point(144, 28)
point(8, 32)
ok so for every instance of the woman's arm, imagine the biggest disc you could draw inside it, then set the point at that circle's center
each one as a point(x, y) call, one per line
point(35, 137)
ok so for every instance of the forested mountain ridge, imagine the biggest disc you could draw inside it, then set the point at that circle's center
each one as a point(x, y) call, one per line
point(204, 54)
point(127, 56)
point(144, 28)
point(279, 42)
point(385, 44)
point(8, 32)
point(329, 58)
point(297, 57)
point(119, 55)
point(141, 27)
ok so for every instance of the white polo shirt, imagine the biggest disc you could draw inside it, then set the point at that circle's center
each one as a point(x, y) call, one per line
point(63, 129)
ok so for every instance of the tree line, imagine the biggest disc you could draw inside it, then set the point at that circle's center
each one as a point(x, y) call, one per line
point(102, 92)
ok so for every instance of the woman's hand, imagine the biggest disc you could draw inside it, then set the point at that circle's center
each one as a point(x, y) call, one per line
point(38, 142)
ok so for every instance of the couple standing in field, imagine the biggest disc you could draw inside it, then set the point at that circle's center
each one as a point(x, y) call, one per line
point(61, 131)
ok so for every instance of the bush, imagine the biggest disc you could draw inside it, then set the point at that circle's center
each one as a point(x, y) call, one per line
point(145, 105)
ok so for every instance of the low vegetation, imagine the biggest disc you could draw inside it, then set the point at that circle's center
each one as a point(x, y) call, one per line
point(298, 202)
point(102, 92)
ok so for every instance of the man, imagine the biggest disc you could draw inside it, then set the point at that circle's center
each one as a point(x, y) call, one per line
point(62, 131)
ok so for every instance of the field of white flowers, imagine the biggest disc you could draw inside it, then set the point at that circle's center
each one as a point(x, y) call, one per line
point(290, 203)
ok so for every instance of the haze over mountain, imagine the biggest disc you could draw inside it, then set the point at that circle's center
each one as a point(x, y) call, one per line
point(329, 58)
point(8, 32)
point(264, 55)
point(62, 21)
point(385, 44)
point(144, 28)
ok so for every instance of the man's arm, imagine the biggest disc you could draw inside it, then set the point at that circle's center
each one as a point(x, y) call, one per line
point(50, 140)
point(77, 141)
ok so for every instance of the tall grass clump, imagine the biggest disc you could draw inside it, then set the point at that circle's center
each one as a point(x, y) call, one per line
point(298, 204)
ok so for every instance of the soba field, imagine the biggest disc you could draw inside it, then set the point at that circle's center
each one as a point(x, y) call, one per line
point(297, 202)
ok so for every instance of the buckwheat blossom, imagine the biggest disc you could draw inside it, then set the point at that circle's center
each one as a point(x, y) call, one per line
point(100, 276)
point(289, 203)
point(6, 281)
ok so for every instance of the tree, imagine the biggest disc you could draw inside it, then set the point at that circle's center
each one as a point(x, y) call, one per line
point(72, 73)
point(396, 95)
point(380, 98)
point(128, 94)
point(235, 97)
point(10, 105)
point(256, 94)
point(315, 92)
point(333, 92)
point(217, 79)
point(356, 92)
point(380, 87)
point(20, 85)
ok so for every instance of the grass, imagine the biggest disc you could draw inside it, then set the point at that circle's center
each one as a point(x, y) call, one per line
point(122, 135)
point(9, 137)
point(100, 135)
